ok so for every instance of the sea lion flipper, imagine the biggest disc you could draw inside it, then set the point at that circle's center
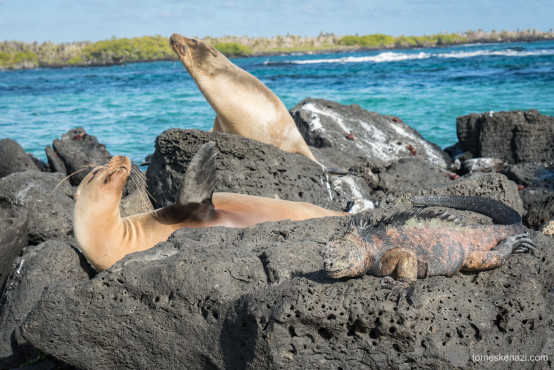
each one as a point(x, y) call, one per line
point(199, 182)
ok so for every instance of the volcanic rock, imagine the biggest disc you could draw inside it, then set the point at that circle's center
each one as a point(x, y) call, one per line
point(344, 136)
point(411, 174)
point(14, 158)
point(38, 268)
point(514, 137)
point(13, 234)
point(77, 150)
point(50, 210)
point(257, 298)
point(539, 203)
point(248, 167)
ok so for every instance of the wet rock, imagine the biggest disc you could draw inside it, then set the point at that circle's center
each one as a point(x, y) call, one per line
point(38, 268)
point(482, 165)
point(243, 166)
point(50, 211)
point(257, 298)
point(515, 137)
point(14, 158)
point(348, 135)
point(13, 234)
point(78, 150)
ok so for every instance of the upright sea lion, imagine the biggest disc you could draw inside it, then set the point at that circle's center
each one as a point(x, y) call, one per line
point(243, 104)
point(105, 237)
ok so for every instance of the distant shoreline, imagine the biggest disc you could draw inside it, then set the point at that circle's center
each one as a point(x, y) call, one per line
point(15, 55)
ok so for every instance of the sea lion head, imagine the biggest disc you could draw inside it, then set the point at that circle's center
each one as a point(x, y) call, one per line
point(195, 54)
point(101, 189)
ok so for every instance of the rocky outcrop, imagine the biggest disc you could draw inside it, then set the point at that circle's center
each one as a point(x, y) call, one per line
point(14, 158)
point(13, 234)
point(38, 268)
point(249, 167)
point(514, 137)
point(257, 298)
point(50, 209)
point(77, 150)
point(521, 144)
point(345, 136)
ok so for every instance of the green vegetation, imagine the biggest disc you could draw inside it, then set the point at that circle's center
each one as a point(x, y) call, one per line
point(377, 40)
point(384, 41)
point(18, 59)
point(17, 55)
point(234, 49)
point(127, 50)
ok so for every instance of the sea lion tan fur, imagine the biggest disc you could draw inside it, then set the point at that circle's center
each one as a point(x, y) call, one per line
point(243, 104)
point(105, 238)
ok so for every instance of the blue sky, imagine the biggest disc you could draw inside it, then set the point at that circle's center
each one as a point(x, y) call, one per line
point(93, 20)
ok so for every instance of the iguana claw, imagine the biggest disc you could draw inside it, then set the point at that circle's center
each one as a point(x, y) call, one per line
point(402, 288)
point(521, 243)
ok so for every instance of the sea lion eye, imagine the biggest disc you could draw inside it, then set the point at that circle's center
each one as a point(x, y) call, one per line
point(195, 42)
point(93, 175)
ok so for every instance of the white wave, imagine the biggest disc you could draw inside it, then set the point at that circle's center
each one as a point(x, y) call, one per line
point(379, 58)
point(395, 57)
point(505, 52)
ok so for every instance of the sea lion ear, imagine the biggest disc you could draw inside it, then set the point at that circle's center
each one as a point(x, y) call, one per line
point(199, 182)
point(214, 51)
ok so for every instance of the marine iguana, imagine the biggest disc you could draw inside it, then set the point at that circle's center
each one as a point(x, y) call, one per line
point(424, 242)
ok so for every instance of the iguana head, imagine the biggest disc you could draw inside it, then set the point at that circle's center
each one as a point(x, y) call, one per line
point(347, 256)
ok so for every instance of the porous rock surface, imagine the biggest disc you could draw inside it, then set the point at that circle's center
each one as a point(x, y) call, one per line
point(39, 267)
point(325, 126)
point(411, 174)
point(77, 150)
point(257, 298)
point(14, 158)
point(245, 166)
point(50, 211)
point(539, 203)
point(515, 136)
point(13, 234)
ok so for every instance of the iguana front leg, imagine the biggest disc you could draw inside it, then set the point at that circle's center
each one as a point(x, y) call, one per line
point(403, 264)
point(478, 260)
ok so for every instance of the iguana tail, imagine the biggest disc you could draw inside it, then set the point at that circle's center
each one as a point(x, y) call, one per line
point(499, 212)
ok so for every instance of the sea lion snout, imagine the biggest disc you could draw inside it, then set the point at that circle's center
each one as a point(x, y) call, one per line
point(178, 44)
point(119, 162)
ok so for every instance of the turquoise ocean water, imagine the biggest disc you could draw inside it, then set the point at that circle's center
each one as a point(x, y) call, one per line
point(127, 106)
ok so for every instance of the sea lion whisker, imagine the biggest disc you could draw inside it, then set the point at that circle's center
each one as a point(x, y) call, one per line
point(140, 185)
point(71, 174)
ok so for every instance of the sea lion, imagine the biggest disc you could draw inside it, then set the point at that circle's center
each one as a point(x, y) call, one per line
point(105, 238)
point(243, 104)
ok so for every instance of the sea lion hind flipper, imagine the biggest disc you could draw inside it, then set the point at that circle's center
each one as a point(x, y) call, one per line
point(199, 182)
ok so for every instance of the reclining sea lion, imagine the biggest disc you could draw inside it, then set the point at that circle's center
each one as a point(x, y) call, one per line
point(105, 237)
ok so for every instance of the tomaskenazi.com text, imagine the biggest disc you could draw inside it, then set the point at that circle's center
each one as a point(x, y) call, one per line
point(508, 358)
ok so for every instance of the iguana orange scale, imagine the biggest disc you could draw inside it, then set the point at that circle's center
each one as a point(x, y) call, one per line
point(424, 242)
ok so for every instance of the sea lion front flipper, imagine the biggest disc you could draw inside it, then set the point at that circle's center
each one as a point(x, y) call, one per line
point(199, 182)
